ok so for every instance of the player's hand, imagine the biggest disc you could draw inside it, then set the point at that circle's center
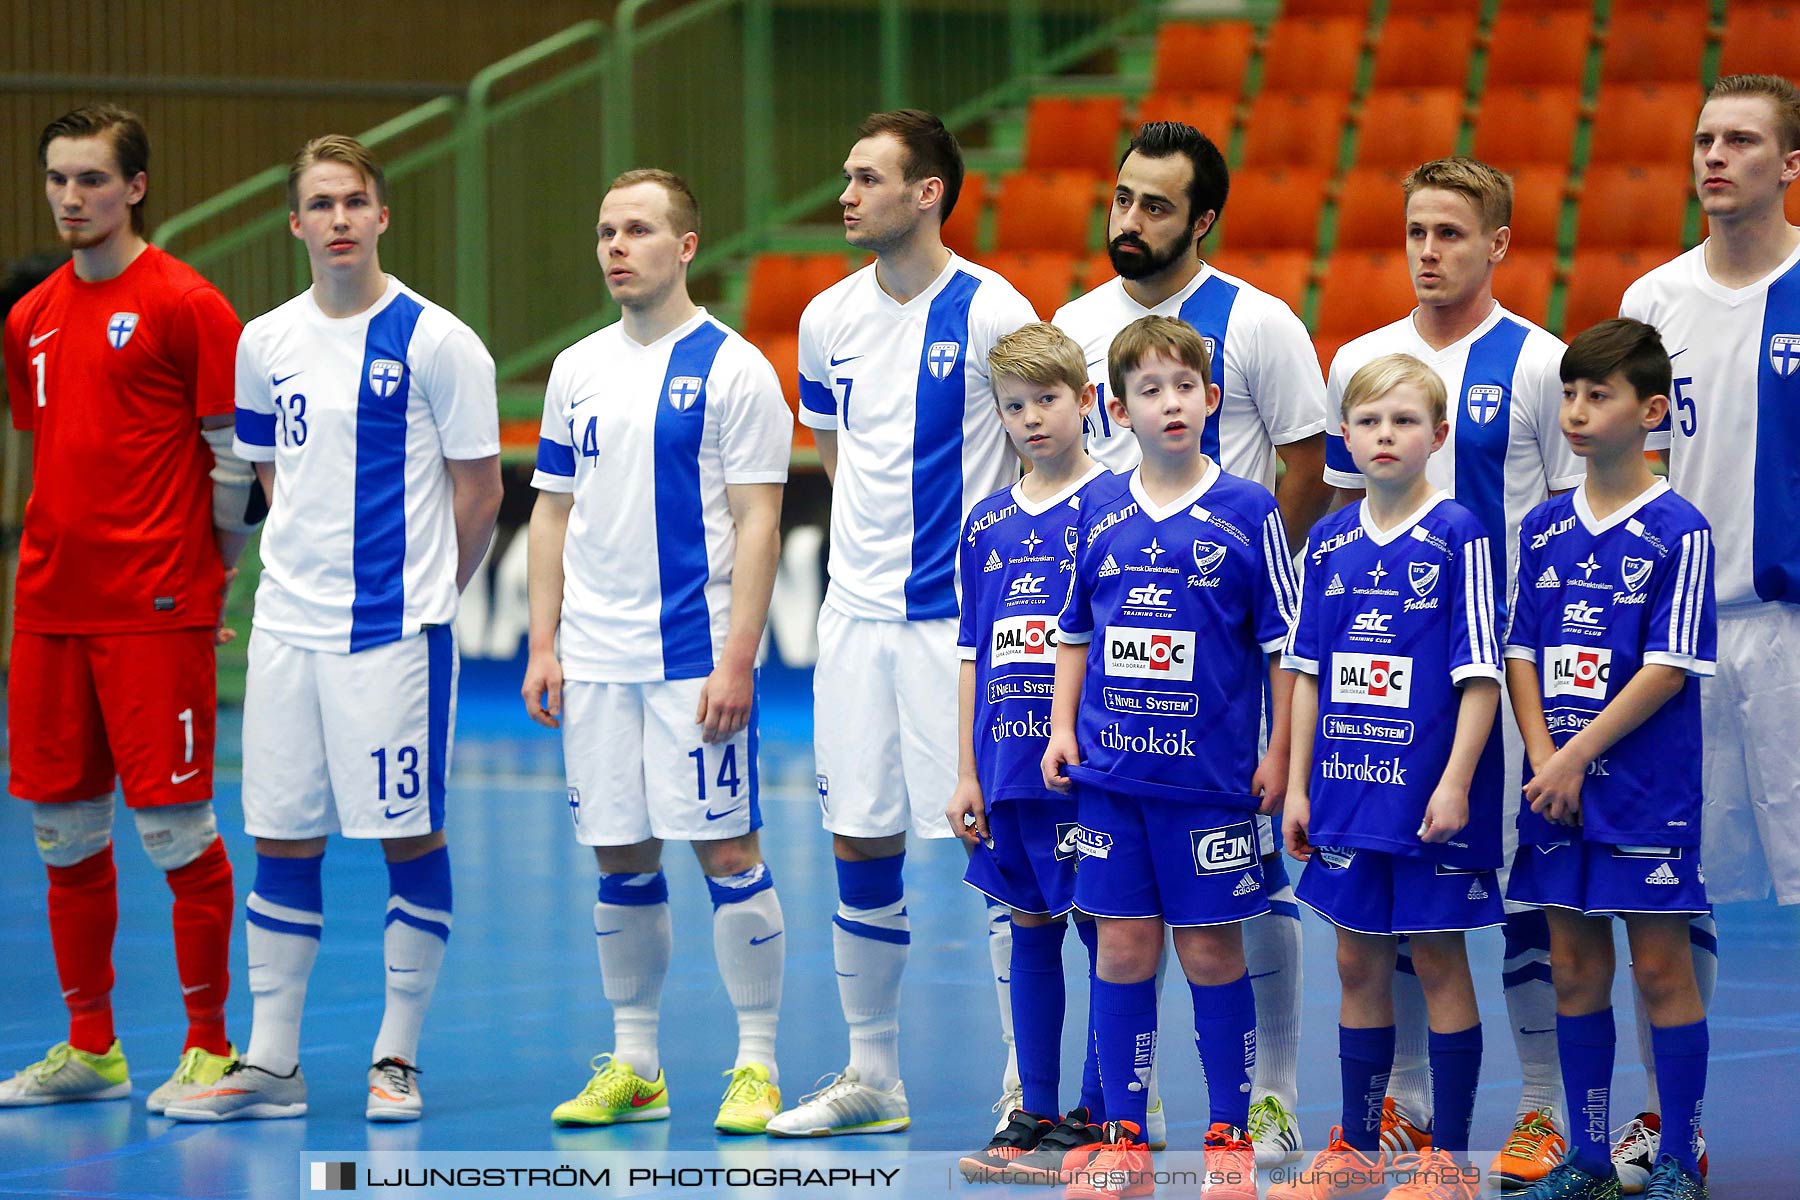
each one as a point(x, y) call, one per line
point(1271, 781)
point(1296, 815)
point(225, 633)
point(1445, 814)
point(968, 814)
point(543, 689)
point(1061, 751)
point(1555, 791)
point(725, 701)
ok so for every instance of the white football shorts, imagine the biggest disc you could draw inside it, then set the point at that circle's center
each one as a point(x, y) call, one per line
point(353, 743)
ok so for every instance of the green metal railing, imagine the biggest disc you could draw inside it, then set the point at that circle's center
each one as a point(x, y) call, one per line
point(753, 101)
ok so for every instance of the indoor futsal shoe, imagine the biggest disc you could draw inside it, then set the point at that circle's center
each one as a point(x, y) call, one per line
point(1566, 1181)
point(1530, 1151)
point(1672, 1181)
point(1436, 1175)
point(1636, 1148)
point(1399, 1135)
point(614, 1096)
point(1121, 1167)
point(1274, 1132)
point(198, 1070)
point(1338, 1172)
point(750, 1100)
point(1156, 1126)
point(394, 1091)
point(245, 1093)
point(1013, 1098)
point(1064, 1150)
point(66, 1075)
point(993, 1162)
point(845, 1105)
point(1230, 1164)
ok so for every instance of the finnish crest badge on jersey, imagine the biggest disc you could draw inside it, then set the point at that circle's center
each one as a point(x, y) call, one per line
point(684, 390)
point(1208, 556)
point(119, 328)
point(1634, 571)
point(1482, 402)
point(1212, 354)
point(1423, 577)
point(1784, 352)
point(384, 376)
point(941, 358)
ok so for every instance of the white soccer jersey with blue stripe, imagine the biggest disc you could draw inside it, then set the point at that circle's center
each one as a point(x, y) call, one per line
point(905, 387)
point(358, 415)
point(1268, 374)
point(648, 438)
point(1734, 419)
point(1506, 451)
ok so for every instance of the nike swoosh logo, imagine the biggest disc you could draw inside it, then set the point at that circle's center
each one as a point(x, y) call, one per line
point(278, 380)
point(834, 362)
point(846, 974)
point(607, 932)
point(759, 941)
point(581, 402)
point(1672, 357)
point(198, 987)
point(641, 1101)
point(391, 815)
point(174, 778)
point(1097, 362)
point(404, 970)
point(1266, 974)
point(713, 816)
point(1003, 979)
point(67, 992)
point(1552, 1029)
point(44, 337)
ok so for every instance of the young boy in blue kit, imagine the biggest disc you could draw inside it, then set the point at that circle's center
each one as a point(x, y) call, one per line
point(1016, 555)
point(1180, 599)
point(1394, 794)
point(1613, 626)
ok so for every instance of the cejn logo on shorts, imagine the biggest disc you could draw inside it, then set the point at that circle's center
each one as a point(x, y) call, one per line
point(1384, 680)
point(1150, 654)
point(1224, 848)
point(1577, 671)
point(1024, 639)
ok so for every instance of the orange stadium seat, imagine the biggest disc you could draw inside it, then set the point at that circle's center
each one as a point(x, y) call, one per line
point(1654, 44)
point(1598, 280)
point(1527, 125)
point(783, 352)
point(1313, 52)
point(780, 286)
point(1045, 210)
point(1523, 282)
point(1538, 192)
point(1074, 133)
point(963, 228)
point(1371, 211)
point(1548, 48)
point(1295, 129)
point(1760, 38)
point(1645, 123)
point(1425, 50)
point(1044, 277)
point(1212, 113)
point(1402, 127)
point(1363, 290)
point(1627, 204)
point(1274, 208)
point(1206, 56)
point(1282, 273)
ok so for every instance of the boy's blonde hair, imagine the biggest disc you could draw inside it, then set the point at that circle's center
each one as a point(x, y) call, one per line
point(1378, 377)
point(1041, 355)
point(1147, 337)
point(337, 148)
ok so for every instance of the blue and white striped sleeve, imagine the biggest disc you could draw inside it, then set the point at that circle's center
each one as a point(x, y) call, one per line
point(1302, 652)
point(253, 440)
point(1279, 602)
point(1682, 630)
point(818, 403)
point(1474, 634)
point(556, 451)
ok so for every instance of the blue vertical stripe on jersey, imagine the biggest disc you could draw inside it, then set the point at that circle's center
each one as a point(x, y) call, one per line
point(1775, 491)
point(681, 563)
point(1481, 445)
point(378, 548)
point(254, 428)
point(1209, 311)
point(440, 658)
point(554, 458)
point(937, 476)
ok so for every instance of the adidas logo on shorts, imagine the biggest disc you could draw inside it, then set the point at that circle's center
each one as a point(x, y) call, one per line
point(1476, 891)
point(993, 562)
point(1109, 567)
point(1336, 586)
point(1662, 876)
point(1245, 886)
point(1548, 579)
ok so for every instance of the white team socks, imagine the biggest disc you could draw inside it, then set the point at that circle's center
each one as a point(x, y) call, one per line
point(1531, 1011)
point(1272, 955)
point(869, 967)
point(1410, 1081)
point(1000, 941)
point(283, 918)
point(635, 943)
point(414, 957)
point(750, 948)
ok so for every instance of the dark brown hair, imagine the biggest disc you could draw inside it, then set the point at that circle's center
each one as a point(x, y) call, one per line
point(1631, 348)
point(130, 144)
point(931, 149)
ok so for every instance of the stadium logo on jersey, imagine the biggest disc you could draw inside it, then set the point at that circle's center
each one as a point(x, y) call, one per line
point(1109, 567)
point(1483, 402)
point(1384, 680)
point(384, 376)
point(1634, 571)
point(1336, 586)
point(119, 328)
point(1023, 639)
point(993, 562)
point(1784, 353)
point(1224, 848)
point(1578, 671)
point(941, 358)
point(684, 390)
point(1423, 577)
point(1150, 655)
point(1068, 840)
point(1208, 556)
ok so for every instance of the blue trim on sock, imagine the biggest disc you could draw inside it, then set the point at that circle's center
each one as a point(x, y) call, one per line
point(436, 928)
point(424, 880)
point(1524, 932)
point(875, 933)
point(735, 889)
point(876, 883)
point(276, 925)
point(1285, 908)
point(1703, 939)
point(291, 882)
point(617, 889)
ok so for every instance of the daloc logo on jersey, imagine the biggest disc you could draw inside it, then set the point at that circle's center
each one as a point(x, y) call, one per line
point(1423, 577)
point(1784, 352)
point(1634, 571)
point(1208, 556)
point(119, 328)
point(1483, 401)
point(941, 358)
point(384, 376)
point(683, 391)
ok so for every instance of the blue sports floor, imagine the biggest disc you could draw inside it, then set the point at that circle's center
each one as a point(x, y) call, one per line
point(518, 1011)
